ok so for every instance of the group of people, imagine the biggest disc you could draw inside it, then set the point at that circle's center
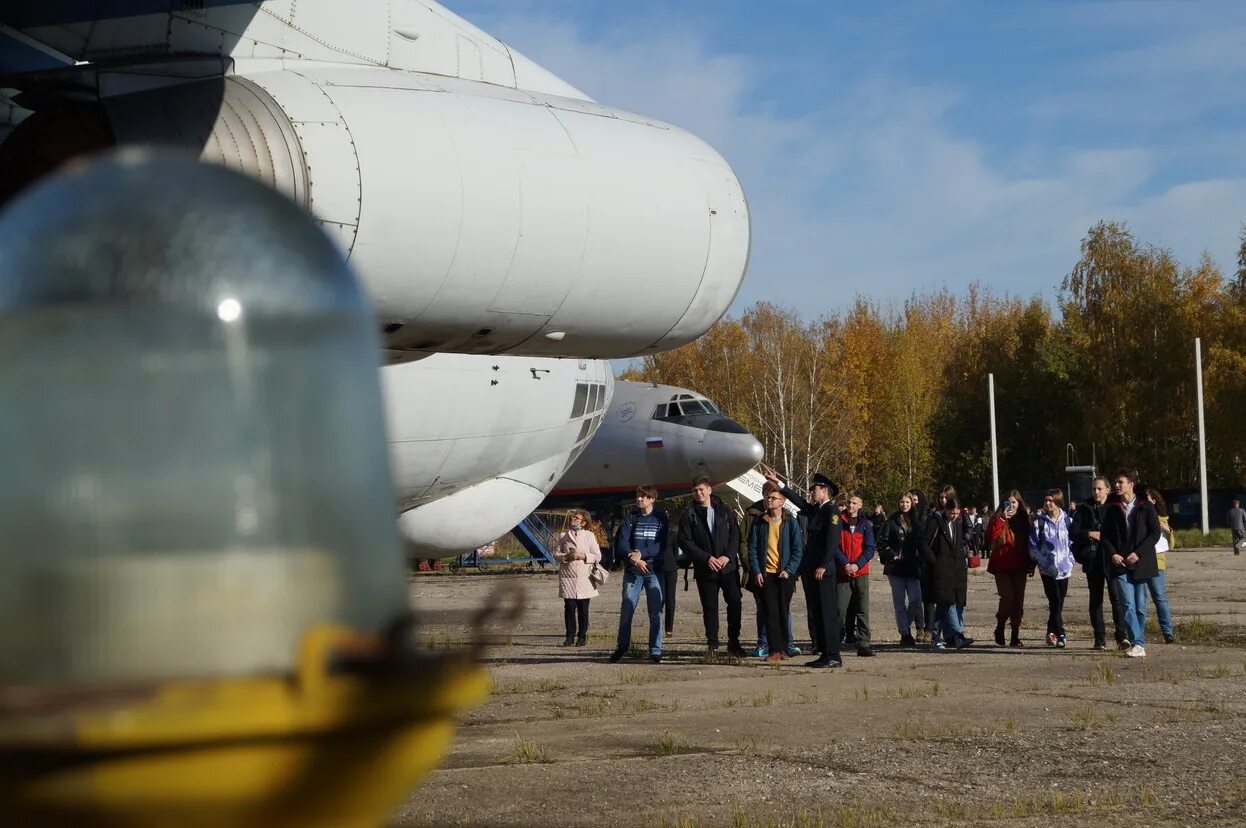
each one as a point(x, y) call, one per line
point(1119, 539)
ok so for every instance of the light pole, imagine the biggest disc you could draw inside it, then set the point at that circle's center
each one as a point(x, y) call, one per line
point(1202, 432)
point(990, 379)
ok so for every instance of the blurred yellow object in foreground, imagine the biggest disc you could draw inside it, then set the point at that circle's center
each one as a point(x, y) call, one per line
point(332, 748)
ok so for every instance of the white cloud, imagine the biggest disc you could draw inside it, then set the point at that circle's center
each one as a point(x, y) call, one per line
point(874, 190)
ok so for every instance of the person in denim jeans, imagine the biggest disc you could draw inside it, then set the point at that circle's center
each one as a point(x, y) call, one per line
point(1159, 595)
point(1130, 531)
point(643, 544)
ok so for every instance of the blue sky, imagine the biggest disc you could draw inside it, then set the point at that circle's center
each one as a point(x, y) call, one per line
point(891, 147)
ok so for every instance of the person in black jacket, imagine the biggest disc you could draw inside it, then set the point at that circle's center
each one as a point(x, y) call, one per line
point(709, 534)
point(822, 530)
point(943, 551)
point(898, 549)
point(1127, 544)
point(1086, 532)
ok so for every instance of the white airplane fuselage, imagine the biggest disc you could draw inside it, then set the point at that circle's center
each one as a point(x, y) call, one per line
point(476, 443)
point(661, 436)
point(487, 206)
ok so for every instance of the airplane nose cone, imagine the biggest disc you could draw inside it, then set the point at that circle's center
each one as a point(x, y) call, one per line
point(729, 454)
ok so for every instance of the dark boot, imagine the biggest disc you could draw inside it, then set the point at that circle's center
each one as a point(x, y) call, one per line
point(1016, 637)
point(568, 641)
point(999, 634)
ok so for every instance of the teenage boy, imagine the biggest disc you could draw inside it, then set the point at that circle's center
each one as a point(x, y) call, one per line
point(709, 534)
point(643, 545)
point(1130, 532)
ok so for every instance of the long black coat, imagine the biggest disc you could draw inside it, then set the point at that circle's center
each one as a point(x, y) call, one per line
point(822, 531)
point(695, 540)
point(1139, 536)
point(942, 550)
point(898, 547)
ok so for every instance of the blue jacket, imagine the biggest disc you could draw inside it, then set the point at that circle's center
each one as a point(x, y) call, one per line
point(652, 549)
point(791, 545)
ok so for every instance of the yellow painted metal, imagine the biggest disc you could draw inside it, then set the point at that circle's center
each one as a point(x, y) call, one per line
point(320, 748)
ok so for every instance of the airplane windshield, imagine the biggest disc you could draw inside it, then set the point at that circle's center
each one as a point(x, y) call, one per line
point(684, 406)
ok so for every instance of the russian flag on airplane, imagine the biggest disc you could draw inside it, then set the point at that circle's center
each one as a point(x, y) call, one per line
point(653, 442)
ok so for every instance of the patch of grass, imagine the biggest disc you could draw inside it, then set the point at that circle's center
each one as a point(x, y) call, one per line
point(528, 753)
point(1201, 631)
point(809, 697)
point(515, 688)
point(915, 692)
point(1103, 674)
point(671, 745)
point(1090, 719)
point(718, 657)
point(746, 745)
point(1191, 538)
point(731, 701)
point(764, 700)
point(862, 694)
point(1010, 724)
point(641, 677)
point(843, 816)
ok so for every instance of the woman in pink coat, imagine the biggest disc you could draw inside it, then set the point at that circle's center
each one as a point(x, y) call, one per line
point(577, 552)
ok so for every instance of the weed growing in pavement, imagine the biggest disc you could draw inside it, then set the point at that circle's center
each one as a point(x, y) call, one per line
point(1089, 719)
point(1103, 674)
point(670, 745)
point(746, 745)
point(764, 700)
point(527, 753)
point(1200, 631)
point(514, 688)
point(915, 692)
point(719, 658)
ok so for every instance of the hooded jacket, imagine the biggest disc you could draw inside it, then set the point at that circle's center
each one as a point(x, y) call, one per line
point(1050, 547)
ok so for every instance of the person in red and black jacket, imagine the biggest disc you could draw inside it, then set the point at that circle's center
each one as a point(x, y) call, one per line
point(856, 548)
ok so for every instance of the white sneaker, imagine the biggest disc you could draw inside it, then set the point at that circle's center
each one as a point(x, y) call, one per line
point(1136, 651)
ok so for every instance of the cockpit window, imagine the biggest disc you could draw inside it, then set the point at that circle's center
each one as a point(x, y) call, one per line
point(694, 407)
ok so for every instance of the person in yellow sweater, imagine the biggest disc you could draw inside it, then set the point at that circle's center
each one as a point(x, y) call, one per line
point(1168, 540)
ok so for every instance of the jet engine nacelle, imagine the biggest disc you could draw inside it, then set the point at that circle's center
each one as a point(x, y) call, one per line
point(481, 218)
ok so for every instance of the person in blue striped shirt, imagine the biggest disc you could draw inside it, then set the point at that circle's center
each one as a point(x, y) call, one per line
point(644, 545)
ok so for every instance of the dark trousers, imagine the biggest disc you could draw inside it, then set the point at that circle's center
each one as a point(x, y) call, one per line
point(574, 610)
point(1096, 581)
point(1056, 590)
point(854, 608)
point(708, 590)
point(670, 580)
point(822, 608)
point(776, 596)
point(932, 613)
point(813, 613)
